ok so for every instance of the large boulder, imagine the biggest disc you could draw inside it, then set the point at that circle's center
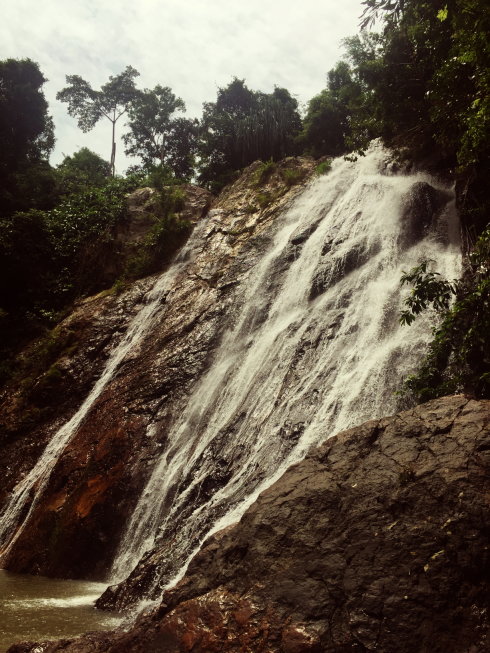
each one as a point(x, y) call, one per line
point(377, 541)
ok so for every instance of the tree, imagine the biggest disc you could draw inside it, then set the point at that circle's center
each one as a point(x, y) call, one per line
point(80, 170)
point(26, 136)
point(327, 126)
point(111, 101)
point(373, 8)
point(458, 358)
point(157, 136)
point(243, 126)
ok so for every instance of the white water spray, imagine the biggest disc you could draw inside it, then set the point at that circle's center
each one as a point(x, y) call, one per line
point(317, 348)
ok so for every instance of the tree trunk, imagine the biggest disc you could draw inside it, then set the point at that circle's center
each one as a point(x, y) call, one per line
point(113, 151)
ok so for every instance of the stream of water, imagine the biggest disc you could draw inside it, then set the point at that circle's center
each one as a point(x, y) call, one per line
point(314, 347)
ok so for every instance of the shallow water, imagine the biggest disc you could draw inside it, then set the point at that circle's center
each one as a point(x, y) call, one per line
point(36, 608)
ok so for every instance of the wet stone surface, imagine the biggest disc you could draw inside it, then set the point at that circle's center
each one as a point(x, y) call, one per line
point(377, 541)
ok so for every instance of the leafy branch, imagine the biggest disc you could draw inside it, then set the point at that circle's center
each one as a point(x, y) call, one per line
point(429, 289)
point(458, 358)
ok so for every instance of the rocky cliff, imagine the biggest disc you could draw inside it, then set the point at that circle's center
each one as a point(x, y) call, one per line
point(377, 541)
point(168, 408)
point(74, 528)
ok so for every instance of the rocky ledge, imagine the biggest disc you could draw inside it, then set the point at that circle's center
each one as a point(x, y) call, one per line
point(377, 541)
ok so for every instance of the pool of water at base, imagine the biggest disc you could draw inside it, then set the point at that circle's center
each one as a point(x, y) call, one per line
point(34, 608)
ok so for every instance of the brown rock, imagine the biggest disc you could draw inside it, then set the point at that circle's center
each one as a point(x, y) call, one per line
point(377, 541)
point(75, 529)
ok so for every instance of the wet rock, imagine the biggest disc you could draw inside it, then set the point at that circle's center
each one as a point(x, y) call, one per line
point(377, 541)
point(33, 407)
point(338, 265)
point(75, 528)
point(422, 208)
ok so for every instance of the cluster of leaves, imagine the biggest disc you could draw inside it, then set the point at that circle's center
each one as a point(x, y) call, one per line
point(81, 170)
point(458, 359)
point(429, 289)
point(168, 233)
point(323, 167)
point(427, 80)
point(155, 134)
point(430, 77)
point(243, 126)
point(264, 172)
point(328, 126)
point(49, 257)
point(26, 137)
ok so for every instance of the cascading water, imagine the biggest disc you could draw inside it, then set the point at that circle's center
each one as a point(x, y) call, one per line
point(315, 348)
point(25, 495)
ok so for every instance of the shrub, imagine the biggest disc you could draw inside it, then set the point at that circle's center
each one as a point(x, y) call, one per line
point(459, 354)
point(167, 234)
point(292, 176)
point(264, 199)
point(264, 172)
point(323, 167)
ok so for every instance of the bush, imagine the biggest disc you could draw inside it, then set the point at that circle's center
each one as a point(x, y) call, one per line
point(323, 167)
point(458, 359)
point(292, 176)
point(168, 233)
point(264, 172)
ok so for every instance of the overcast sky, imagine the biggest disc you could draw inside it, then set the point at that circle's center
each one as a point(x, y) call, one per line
point(193, 46)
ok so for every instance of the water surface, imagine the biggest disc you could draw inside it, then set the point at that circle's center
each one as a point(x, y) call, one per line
point(36, 608)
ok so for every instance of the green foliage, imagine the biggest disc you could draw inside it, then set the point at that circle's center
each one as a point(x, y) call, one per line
point(24, 260)
point(243, 126)
point(429, 78)
point(459, 93)
point(459, 354)
point(159, 176)
point(264, 199)
point(49, 257)
point(264, 172)
point(342, 116)
point(323, 168)
point(429, 289)
point(111, 101)
point(26, 138)
point(167, 235)
point(85, 215)
point(292, 176)
point(373, 8)
point(80, 170)
point(427, 81)
point(326, 124)
point(157, 136)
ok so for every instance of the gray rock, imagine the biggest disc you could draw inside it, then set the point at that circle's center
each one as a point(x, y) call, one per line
point(377, 541)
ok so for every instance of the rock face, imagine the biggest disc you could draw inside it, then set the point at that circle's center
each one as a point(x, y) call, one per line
point(143, 209)
point(75, 526)
point(377, 541)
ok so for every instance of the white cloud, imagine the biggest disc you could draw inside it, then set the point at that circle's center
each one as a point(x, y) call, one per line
point(193, 46)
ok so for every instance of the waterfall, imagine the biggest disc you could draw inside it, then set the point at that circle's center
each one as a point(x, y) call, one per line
point(314, 348)
point(26, 493)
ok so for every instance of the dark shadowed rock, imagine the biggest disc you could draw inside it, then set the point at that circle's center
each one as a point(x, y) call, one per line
point(377, 541)
point(423, 205)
